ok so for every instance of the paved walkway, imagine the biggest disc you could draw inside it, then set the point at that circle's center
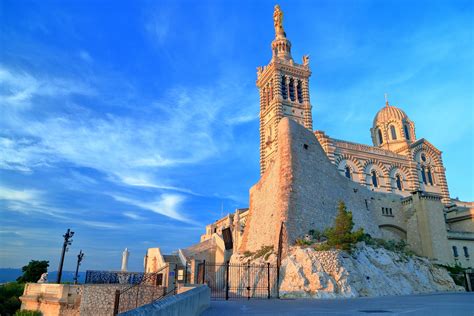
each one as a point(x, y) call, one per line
point(423, 304)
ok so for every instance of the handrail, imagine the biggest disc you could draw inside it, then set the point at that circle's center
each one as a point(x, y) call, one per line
point(146, 277)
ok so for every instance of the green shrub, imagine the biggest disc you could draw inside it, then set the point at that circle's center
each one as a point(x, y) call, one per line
point(248, 254)
point(303, 242)
point(400, 247)
point(9, 294)
point(263, 251)
point(341, 236)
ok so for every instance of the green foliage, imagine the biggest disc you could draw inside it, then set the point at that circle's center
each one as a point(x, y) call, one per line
point(316, 234)
point(28, 313)
point(303, 242)
point(9, 294)
point(341, 236)
point(264, 250)
point(248, 254)
point(457, 273)
point(400, 247)
point(33, 271)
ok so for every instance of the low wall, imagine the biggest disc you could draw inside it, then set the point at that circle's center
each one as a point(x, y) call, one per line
point(52, 299)
point(189, 303)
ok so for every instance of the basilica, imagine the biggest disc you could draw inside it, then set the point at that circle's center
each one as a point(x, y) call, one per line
point(396, 187)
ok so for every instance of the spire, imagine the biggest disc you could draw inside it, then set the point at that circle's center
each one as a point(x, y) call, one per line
point(386, 99)
point(281, 46)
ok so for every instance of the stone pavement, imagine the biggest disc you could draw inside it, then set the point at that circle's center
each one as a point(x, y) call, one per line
point(423, 304)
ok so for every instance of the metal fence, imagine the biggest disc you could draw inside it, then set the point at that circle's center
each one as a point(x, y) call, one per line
point(147, 291)
point(113, 277)
point(237, 281)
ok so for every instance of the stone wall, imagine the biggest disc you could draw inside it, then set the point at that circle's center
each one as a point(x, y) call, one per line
point(303, 188)
point(98, 299)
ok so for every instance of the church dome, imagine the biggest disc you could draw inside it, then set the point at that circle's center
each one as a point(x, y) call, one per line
point(389, 113)
point(392, 128)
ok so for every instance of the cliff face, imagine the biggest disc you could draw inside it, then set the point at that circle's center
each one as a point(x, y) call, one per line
point(307, 273)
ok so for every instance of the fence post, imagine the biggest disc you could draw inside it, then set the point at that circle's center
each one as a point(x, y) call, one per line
point(175, 278)
point(116, 302)
point(186, 273)
point(227, 281)
point(248, 275)
point(268, 278)
point(203, 271)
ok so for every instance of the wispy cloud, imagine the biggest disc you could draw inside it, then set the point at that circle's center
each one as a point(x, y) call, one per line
point(20, 87)
point(133, 216)
point(28, 196)
point(167, 205)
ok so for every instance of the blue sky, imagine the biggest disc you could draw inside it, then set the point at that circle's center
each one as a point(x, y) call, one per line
point(134, 123)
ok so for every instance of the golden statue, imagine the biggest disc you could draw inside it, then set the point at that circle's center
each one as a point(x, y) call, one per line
point(278, 20)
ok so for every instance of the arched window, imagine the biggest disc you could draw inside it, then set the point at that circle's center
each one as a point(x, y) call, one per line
point(379, 133)
point(430, 177)
point(423, 175)
point(374, 179)
point(292, 89)
point(393, 132)
point(284, 93)
point(466, 252)
point(299, 92)
point(348, 172)
point(455, 251)
point(407, 134)
point(399, 182)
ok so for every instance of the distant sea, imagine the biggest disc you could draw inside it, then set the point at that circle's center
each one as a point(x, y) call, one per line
point(9, 275)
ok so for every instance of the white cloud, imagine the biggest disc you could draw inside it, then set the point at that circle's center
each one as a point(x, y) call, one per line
point(167, 205)
point(19, 88)
point(29, 196)
point(133, 216)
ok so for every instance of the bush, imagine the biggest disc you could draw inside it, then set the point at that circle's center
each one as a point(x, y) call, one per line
point(9, 294)
point(392, 245)
point(303, 242)
point(340, 236)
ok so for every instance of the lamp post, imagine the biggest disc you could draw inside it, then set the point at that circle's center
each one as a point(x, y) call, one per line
point(66, 243)
point(79, 260)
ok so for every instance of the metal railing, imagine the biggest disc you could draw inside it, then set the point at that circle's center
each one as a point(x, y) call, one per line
point(234, 281)
point(145, 292)
point(113, 277)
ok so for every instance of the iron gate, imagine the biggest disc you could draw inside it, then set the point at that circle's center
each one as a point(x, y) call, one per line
point(236, 281)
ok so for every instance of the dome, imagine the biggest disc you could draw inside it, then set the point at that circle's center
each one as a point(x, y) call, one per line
point(392, 129)
point(389, 113)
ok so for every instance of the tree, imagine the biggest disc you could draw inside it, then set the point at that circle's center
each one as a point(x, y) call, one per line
point(33, 271)
point(9, 294)
point(340, 236)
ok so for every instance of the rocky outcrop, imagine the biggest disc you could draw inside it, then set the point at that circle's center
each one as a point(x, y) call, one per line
point(367, 271)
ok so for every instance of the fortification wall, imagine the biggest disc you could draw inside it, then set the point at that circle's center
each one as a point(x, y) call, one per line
point(302, 188)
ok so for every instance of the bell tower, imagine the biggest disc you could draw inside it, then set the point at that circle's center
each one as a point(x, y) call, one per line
point(284, 92)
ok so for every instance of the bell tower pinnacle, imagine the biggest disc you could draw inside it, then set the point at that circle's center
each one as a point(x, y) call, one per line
point(284, 92)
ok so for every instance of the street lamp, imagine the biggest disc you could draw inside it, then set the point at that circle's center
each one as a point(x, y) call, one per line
point(79, 260)
point(66, 243)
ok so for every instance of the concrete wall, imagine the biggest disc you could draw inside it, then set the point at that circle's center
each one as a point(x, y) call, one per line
point(189, 303)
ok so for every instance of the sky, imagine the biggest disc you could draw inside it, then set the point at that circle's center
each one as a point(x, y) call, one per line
point(135, 123)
